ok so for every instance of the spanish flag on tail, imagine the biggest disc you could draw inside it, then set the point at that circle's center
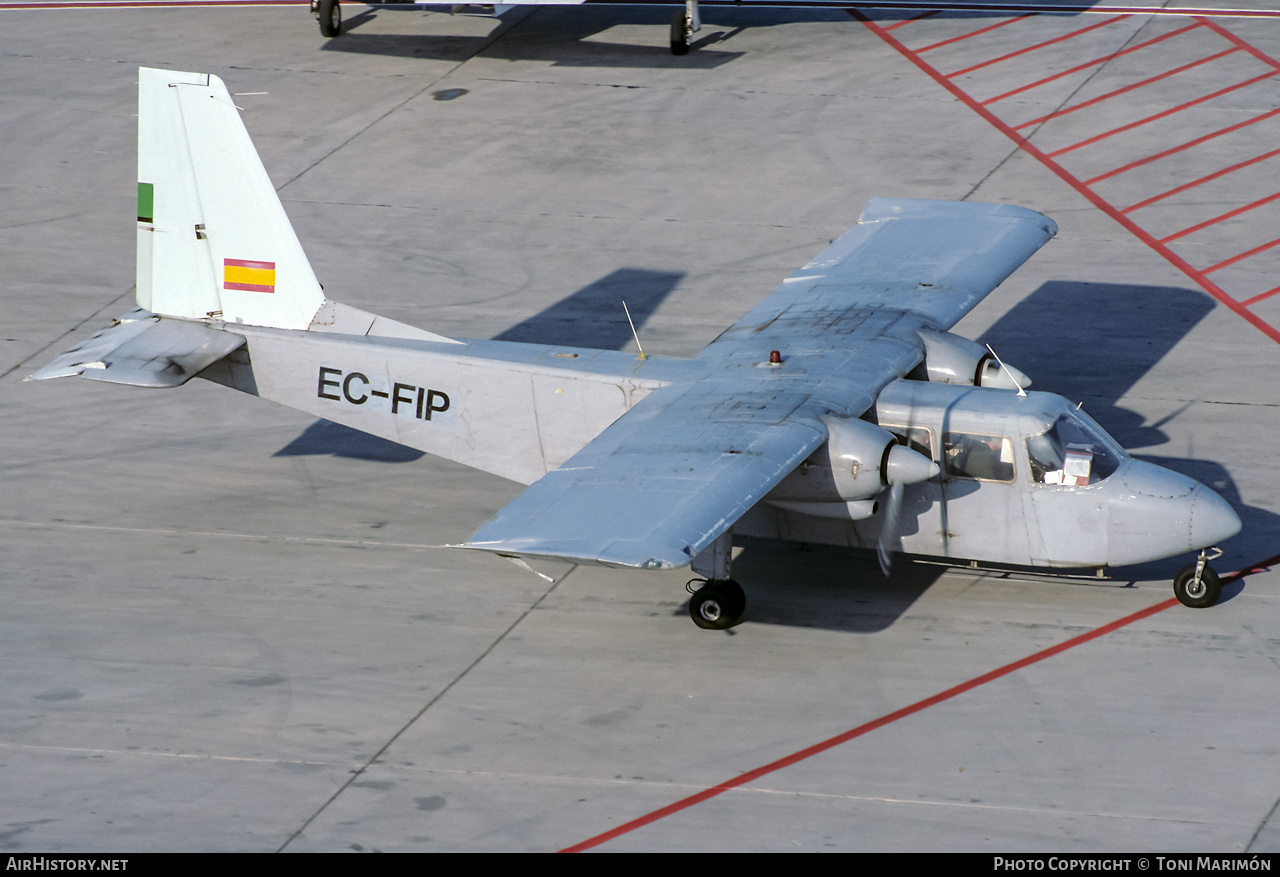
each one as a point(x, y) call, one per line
point(248, 276)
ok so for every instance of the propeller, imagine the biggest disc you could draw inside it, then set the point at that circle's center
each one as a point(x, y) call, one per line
point(902, 466)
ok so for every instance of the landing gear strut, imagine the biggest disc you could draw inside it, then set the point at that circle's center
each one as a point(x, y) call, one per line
point(718, 601)
point(683, 26)
point(1196, 584)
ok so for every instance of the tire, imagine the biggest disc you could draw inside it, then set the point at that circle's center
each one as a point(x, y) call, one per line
point(330, 18)
point(735, 598)
point(1188, 594)
point(717, 605)
point(680, 34)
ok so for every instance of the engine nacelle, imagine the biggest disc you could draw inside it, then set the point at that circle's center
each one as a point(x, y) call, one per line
point(858, 461)
point(950, 359)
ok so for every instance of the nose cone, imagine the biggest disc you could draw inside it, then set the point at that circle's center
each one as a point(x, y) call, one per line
point(1157, 513)
point(1212, 520)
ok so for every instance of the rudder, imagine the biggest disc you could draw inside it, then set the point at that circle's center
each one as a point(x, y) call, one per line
point(213, 239)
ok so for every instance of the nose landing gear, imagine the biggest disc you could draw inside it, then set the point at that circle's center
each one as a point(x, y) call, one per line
point(683, 26)
point(1196, 584)
point(330, 15)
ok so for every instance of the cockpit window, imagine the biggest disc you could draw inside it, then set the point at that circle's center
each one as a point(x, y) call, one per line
point(984, 457)
point(1072, 452)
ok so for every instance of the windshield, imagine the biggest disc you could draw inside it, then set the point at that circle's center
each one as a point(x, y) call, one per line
point(1073, 451)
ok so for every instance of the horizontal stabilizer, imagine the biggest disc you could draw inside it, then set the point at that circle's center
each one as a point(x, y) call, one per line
point(143, 350)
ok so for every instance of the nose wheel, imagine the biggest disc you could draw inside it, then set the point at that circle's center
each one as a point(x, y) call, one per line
point(716, 604)
point(330, 15)
point(1197, 584)
point(683, 26)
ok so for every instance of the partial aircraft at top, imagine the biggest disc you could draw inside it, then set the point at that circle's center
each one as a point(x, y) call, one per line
point(684, 24)
point(840, 410)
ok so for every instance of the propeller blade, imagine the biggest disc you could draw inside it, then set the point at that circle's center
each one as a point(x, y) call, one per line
point(889, 526)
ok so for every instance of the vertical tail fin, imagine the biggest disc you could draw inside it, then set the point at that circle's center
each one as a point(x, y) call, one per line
point(213, 238)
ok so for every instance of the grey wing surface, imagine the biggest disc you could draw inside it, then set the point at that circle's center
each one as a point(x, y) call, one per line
point(657, 487)
point(679, 468)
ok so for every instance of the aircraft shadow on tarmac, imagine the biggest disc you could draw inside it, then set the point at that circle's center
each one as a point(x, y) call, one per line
point(558, 35)
point(1092, 342)
point(593, 316)
point(825, 587)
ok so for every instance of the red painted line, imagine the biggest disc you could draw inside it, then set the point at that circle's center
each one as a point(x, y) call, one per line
point(1220, 218)
point(1250, 302)
point(1095, 62)
point(1260, 248)
point(1133, 86)
point(1260, 566)
point(930, 14)
point(1063, 38)
point(1191, 185)
point(889, 718)
point(981, 30)
point(1228, 35)
point(1190, 143)
point(1168, 112)
point(1093, 197)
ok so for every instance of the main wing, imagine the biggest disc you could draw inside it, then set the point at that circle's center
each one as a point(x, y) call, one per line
point(678, 469)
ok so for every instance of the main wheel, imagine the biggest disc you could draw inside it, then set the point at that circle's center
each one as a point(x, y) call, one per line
point(1200, 595)
point(717, 605)
point(735, 597)
point(330, 18)
point(680, 31)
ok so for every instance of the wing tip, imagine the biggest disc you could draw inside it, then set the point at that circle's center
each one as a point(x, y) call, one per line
point(879, 209)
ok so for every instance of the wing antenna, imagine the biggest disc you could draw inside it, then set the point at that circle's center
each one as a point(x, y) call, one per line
point(1000, 362)
point(634, 333)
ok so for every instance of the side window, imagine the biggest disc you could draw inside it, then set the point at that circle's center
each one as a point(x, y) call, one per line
point(984, 457)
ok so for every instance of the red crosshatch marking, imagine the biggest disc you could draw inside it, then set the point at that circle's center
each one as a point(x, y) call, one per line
point(875, 724)
point(1212, 45)
point(1089, 64)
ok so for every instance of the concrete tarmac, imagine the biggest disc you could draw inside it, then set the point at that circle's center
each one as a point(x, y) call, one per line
point(225, 626)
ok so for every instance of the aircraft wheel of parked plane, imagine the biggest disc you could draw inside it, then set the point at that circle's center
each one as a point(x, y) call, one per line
point(681, 30)
point(717, 604)
point(1193, 593)
point(330, 14)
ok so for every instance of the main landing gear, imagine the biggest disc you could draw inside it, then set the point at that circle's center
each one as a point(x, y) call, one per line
point(330, 15)
point(1196, 584)
point(718, 602)
point(683, 26)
